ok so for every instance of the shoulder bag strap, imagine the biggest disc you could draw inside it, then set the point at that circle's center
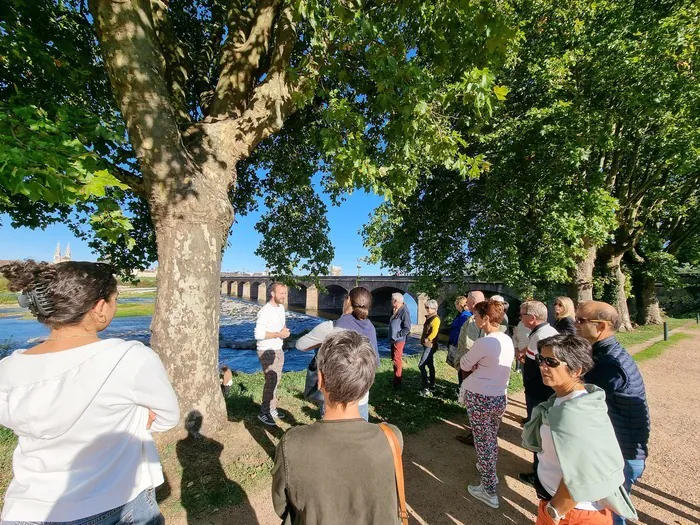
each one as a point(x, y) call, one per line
point(398, 471)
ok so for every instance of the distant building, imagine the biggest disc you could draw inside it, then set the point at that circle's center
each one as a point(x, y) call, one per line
point(57, 257)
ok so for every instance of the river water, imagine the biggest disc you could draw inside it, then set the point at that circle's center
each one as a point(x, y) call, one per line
point(236, 333)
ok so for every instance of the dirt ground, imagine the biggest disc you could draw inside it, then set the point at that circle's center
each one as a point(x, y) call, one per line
point(438, 467)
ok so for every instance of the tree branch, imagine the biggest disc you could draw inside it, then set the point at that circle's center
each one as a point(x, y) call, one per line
point(131, 53)
point(176, 61)
point(272, 101)
point(240, 60)
point(132, 180)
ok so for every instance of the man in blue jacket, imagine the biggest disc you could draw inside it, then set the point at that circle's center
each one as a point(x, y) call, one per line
point(616, 372)
point(399, 328)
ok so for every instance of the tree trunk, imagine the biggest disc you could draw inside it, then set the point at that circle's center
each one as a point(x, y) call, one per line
point(185, 330)
point(617, 292)
point(581, 287)
point(648, 310)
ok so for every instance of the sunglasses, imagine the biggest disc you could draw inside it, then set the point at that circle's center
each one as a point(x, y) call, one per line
point(551, 362)
point(581, 320)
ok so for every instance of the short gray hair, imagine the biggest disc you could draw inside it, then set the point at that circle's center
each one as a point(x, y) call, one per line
point(432, 304)
point(348, 363)
point(536, 308)
point(396, 296)
point(575, 351)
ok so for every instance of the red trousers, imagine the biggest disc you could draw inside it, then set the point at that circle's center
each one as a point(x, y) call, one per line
point(397, 359)
point(575, 517)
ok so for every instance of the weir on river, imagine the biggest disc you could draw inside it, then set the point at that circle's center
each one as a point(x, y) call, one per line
point(236, 332)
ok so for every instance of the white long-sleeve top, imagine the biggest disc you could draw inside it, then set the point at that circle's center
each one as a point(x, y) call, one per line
point(270, 319)
point(521, 336)
point(80, 416)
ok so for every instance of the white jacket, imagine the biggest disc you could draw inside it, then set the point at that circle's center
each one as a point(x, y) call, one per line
point(80, 416)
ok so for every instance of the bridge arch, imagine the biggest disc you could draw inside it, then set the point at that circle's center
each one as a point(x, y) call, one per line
point(381, 302)
point(254, 289)
point(332, 298)
point(296, 295)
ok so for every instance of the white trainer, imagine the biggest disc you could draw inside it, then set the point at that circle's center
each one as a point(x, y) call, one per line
point(479, 493)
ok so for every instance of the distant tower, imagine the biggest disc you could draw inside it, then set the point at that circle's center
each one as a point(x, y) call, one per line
point(66, 256)
point(57, 253)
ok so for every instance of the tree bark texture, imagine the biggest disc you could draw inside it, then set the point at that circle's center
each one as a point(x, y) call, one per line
point(188, 170)
point(648, 309)
point(581, 288)
point(617, 293)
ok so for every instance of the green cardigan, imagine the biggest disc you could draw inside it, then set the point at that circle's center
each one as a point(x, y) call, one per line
point(587, 449)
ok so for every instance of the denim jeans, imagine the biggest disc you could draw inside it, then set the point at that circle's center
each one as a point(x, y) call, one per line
point(427, 378)
point(142, 510)
point(633, 471)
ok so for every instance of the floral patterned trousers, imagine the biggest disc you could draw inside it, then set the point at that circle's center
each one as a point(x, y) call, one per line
point(485, 413)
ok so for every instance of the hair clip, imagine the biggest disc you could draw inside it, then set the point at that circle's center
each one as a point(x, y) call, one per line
point(37, 301)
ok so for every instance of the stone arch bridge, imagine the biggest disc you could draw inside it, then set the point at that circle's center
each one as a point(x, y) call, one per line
point(306, 295)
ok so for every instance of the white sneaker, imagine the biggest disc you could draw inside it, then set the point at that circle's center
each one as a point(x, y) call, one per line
point(276, 415)
point(479, 493)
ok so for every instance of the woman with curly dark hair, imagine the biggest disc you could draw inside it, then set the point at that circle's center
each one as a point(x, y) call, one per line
point(82, 407)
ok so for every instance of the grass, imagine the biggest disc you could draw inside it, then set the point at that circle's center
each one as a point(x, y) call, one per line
point(405, 408)
point(135, 309)
point(643, 333)
point(205, 474)
point(659, 347)
point(128, 294)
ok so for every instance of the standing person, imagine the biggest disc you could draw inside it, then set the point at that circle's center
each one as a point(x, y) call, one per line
point(399, 329)
point(226, 380)
point(564, 312)
point(83, 408)
point(580, 466)
point(503, 327)
point(429, 340)
point(521, 339)
point(617, 374)
point(463, 315)
point(339, 469)
point(355, 317)
point(468, 333)
point(270, 332)
point(484, 394)
point(534, 317)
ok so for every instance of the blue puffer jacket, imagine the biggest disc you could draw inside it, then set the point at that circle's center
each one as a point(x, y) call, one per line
point(457, 326)
point(616, 372)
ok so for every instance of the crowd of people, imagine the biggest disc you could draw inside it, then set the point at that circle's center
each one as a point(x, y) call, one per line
point(83, 408)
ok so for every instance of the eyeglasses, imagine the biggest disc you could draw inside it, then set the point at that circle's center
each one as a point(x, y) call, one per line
point(551, 362)
point(581, 320)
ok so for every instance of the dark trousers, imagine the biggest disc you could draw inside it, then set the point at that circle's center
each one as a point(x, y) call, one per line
point(426, 361)
point(531, 402)
point(397, 359)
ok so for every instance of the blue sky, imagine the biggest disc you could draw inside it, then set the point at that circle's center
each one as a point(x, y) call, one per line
point(345, 221)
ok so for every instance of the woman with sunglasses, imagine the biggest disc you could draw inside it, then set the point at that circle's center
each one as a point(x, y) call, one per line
point(580, 466)
point(564, 312)
point(83, 408)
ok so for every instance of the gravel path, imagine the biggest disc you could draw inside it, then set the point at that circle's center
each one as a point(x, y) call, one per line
point(438, 467)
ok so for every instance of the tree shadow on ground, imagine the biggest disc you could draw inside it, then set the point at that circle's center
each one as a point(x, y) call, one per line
point(436, 463)
point(205, 484)
point(241, 407)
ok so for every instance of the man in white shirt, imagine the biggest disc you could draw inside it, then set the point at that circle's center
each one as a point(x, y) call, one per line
point(533, 315)
point(270, 331)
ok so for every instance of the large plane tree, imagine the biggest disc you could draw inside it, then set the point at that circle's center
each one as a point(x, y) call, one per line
point(146, 124)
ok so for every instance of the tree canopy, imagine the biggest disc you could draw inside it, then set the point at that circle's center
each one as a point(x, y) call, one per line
point(375, 88)
point(594, 149)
